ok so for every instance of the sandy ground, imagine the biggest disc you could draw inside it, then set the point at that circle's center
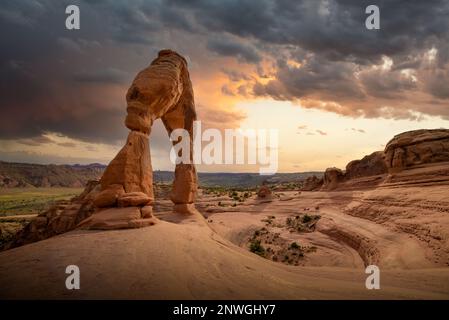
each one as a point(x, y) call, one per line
point(196, 260)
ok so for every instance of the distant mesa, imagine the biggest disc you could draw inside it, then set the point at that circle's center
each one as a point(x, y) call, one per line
point(20, 175)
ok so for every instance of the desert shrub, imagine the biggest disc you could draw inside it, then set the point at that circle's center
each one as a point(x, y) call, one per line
point(233, 194)
point(9, 229)
point(294, 246)
point(268, 220)
point(302, 224)
point(306, 218)
point(256, 247)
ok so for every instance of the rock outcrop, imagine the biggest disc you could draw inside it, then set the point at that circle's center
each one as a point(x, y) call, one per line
point(404, 159)
point(312, 183)
point(162, 90)
point(417, 147)
point(264, 192)
point(332, 177)
point(369, 165)
point(118, 218)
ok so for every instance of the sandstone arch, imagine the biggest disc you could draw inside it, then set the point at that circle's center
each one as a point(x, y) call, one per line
point(162, 90)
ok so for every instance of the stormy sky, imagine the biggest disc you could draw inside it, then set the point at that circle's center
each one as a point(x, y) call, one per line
point(63, 88)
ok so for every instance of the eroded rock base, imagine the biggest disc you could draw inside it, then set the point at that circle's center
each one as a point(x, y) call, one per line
point(119, 218)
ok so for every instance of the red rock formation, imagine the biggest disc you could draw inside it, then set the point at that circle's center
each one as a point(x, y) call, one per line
point(162, 90)
point(371, 165)
point(312, 183)
point(109, 196)
point(417, 147)
point(264, 192)
point(332, 177)
point(131, 167)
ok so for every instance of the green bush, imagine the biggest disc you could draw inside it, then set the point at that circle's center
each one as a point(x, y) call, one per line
point(256, 247)
point(233, 194)
point(306, 218)
point(294, 246)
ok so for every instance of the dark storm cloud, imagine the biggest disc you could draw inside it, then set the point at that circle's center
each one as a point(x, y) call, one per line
point(54, 80)
point(383, 84)
point(232, 48)
point(316, 76)
point(33, 103)
point(438, 83)
point(335, 28)
point(108, 75)
point(332, 33)
point(73, 82)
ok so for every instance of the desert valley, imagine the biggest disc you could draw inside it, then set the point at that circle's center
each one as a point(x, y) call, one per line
point(312, 239)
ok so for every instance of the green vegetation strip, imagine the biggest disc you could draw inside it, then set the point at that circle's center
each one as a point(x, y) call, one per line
point(23, 201)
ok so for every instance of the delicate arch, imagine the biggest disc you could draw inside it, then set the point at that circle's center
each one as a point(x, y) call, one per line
point(162, 90)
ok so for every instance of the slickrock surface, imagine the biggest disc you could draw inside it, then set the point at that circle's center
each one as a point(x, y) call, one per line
point(185, 259)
